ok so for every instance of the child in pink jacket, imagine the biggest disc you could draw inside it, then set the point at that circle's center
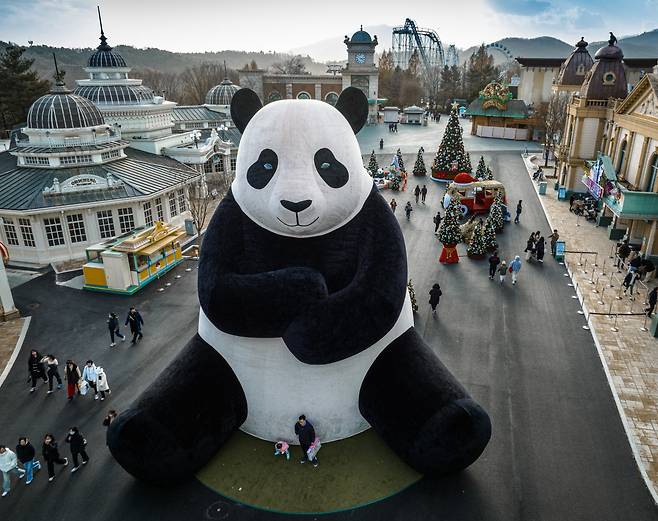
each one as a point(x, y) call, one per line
point(281, 448)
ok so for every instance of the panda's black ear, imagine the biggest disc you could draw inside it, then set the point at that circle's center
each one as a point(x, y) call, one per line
point(353, 104)
point(244, 104)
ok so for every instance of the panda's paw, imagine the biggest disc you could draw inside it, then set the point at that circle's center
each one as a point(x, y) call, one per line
point(148, 450)
point(452, 439)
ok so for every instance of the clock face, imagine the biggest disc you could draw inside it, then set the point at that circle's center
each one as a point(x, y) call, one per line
point(360, 58)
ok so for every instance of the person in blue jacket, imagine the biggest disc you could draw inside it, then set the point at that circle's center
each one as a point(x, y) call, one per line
point(515, 266)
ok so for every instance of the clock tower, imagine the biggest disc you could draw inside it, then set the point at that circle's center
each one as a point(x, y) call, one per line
point(361, 71)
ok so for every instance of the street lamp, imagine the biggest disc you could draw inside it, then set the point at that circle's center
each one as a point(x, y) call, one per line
point(222, 128)
point(196, 134)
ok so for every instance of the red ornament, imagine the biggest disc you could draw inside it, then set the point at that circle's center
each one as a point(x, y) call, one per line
point(449, 254)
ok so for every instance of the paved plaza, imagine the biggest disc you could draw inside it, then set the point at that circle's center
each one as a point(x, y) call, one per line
point(559, 449)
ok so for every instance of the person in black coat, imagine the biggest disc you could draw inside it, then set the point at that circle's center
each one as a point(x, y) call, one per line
point(136, 322)
point(494, 261)
point(530, 247)
point(437, 222)
point(36, 369)
point(26, 453)
point(51, 455)
point(113, 326)
point(435, 296)
point(653, 297)
point(77, 443)
point(540, 248)
point(306, 434)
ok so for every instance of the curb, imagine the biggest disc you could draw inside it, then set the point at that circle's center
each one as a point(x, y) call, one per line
point(620, 409)
point(14, 355)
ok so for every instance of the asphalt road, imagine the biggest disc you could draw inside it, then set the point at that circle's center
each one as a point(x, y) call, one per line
point(558, 450)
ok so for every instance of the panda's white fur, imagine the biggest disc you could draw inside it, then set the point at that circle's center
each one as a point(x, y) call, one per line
point(277, 386)
point(295, 130)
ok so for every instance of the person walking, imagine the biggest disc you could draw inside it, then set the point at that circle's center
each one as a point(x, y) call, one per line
point(540, 246)
point(502, 271)
point(530, 246)
point(36, 369)
point(623, 251)
point(77, 444)
point(437, 222)
point(572, 198)
point(113, 326)
point(408, 209)
point(494, 261)
point(519, 209)
point(393, 204)
point(109, 418)
point(651, 300)
point(515, 267)
point(417, 193)
point(26, 455)
point(8, 466)
point(136, 322)
point(554, 238)
point(50, 453)
point(72, 376)
point(306, 434)
point(52, 372)
point(435, 296)
point(629, 281)
point(102, 386)
point(423, 194)
point(89, 376)
point(381, 144)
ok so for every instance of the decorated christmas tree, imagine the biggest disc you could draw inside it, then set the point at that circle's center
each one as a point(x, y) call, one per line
point(489, 234)
point(412, 295)
point(419, 167)
point(481, 171)
point(449, 232)
point(489, 175)
point(372, 165)
point(451, 158)
point(496, 212)
point(476, 247)
point(400, 161)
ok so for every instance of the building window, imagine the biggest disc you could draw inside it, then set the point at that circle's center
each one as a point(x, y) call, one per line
point(207, 166)
point(331, 98)
point(181, 200)
point(159, 211)
point(105, 223)
point(126, 220)
point(26, 231)
point(303, 95)
point(219, 163)
point(580, 70)
point(148, 213)
point(110, 155)
point(653, 174)
point(76, 227)
point(54, 231)
point(173, 211)
point(274, 96)
point(234, 161)
point(74, 160)
point(609, 78)
point(10, 231)
point(620, 159)
point(33, 160)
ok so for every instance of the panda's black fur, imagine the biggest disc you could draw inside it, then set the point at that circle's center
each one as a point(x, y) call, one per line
point(329, 297)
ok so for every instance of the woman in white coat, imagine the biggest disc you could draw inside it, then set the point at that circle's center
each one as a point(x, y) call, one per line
point(102, 386)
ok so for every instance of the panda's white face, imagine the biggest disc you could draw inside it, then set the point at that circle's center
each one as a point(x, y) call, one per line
point(299, 170)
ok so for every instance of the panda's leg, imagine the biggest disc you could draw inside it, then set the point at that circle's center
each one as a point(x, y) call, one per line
point(182, 419)
point(420, 409)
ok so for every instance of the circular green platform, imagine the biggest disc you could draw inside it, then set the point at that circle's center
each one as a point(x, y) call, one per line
point(352, 472)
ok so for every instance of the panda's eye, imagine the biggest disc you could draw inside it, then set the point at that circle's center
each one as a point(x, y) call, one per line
point(262, 171)
point(330, 169)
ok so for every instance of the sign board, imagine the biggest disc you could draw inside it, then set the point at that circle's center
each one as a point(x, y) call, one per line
point(559, 250)
point(592, 180)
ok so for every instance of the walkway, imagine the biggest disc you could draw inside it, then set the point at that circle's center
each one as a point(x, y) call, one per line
point(630, 354)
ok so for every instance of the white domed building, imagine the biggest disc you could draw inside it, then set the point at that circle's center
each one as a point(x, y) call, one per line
point(71, 180)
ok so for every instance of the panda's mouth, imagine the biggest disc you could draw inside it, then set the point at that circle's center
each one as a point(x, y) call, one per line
point(298, 224)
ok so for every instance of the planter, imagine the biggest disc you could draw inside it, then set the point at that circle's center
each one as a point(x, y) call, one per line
point(445, 177)
point(420, 175)
point(449, 254)
point(479, 256)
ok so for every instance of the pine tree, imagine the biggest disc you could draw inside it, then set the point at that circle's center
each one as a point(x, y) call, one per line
point(489, 175)
point(481, 170)
point(489, 234)
point(373, 166)
point(449, 232)
point(452, 149)
point(419, 167)
point(400, 161)
point(476, 247)
point(19, 86)
point(496, 212)
point(412, 295)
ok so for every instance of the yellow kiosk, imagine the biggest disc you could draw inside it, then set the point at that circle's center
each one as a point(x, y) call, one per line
point(129, 262)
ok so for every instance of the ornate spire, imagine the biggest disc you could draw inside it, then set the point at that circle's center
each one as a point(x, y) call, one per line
point(60, 86)
point(103, 46)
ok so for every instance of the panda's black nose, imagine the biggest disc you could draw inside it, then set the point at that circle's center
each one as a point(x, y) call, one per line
point(297, 207)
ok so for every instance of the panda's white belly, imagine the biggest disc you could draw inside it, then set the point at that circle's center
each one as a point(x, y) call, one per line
point(279, 388)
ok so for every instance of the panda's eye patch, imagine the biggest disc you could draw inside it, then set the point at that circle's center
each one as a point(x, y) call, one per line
point(332, 171)
point(262, 171)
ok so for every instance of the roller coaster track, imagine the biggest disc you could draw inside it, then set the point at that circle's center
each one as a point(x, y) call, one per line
point(426, 42)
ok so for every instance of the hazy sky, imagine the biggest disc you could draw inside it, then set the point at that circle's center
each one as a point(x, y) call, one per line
point(281, 25)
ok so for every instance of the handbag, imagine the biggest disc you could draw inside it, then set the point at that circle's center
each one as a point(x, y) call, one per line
point(83, 387)
point(510, 269)
point(314, 449)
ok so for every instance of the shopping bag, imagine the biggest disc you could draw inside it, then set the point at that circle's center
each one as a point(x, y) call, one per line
point(314, 449)
point(83, 387)
point(510, 269)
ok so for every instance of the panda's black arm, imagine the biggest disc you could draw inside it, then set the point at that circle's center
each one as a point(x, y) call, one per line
point(354, 318)
point(255, 305)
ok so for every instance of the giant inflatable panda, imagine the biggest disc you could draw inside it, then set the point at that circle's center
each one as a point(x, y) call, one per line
point(304, 309)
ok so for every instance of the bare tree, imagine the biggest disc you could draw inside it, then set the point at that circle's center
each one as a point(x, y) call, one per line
point(199, 80)
point(163, 83)
point(290, 65)
point(552, 116)
point(200, 202)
